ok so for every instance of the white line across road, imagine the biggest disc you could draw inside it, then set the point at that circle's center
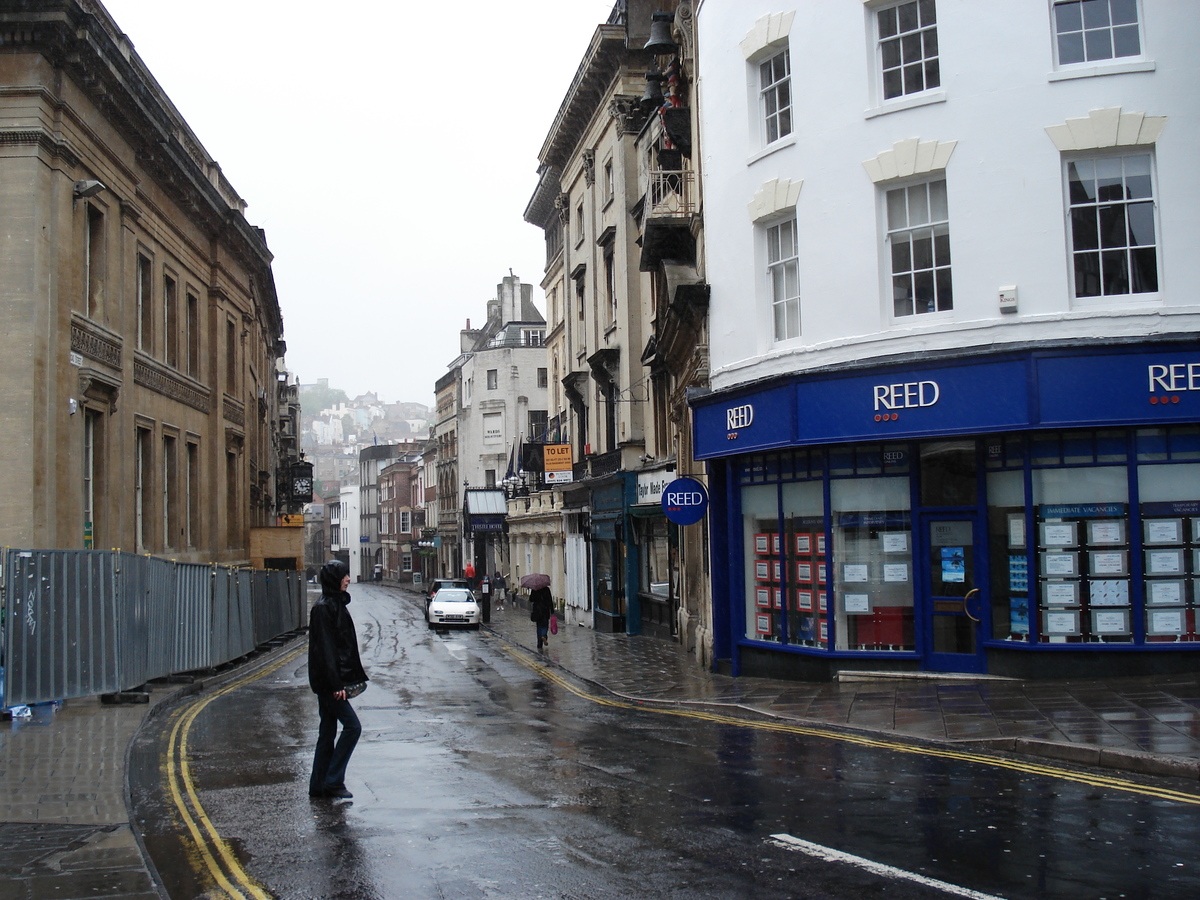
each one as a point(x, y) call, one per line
point(827, 853)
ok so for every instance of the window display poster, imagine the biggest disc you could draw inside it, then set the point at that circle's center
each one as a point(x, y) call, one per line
point(804, 544)
point(804, 572)
point(1108, 563)
point(1166, 621)
point(954, 565)
point(1016, 530)
point(1060, 593)
point(1164, 531)
point(820, 573)
point(1061, 564)
point(895, 541)
point(762, 570)
point(1164, 562)
point(1164, 593)
point(857, 603)
point(1018, 574)
point(855, 573)
point(895, 572)
point(1109, 592)
point(1058, 534)
point(804, 600)
point(763, 624)
point(1110, 622)
point(1106, 531)
point(1018, 618)
point(1062, 623)
point(762, 596)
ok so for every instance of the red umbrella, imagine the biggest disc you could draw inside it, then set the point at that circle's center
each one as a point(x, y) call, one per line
point(535, 580)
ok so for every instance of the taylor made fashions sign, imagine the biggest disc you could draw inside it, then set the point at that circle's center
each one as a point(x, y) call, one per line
point(1000, 394)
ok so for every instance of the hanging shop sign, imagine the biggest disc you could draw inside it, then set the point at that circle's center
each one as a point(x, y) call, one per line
point(685, 501)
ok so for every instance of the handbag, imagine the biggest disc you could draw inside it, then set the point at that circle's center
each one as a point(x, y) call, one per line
point(353, 690)
point(553, 623)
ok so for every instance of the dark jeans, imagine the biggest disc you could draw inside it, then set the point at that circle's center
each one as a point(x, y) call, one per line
point(330, 760)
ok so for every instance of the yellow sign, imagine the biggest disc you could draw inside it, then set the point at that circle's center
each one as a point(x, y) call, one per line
point(557, 457)
point(295, 520)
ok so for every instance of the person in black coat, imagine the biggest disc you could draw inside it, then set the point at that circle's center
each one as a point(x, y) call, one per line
point(541, 608)
point(333, 666)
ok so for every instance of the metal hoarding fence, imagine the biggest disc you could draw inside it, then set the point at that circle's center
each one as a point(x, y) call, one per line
point(83, 622)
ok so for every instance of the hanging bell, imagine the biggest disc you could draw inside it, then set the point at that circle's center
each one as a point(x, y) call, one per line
point(654, 94)
point(660, 42)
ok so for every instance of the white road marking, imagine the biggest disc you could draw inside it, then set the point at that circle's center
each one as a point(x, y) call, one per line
point(793, 843)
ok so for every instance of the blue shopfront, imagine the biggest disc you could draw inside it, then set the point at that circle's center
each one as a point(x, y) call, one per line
point(1034, 514)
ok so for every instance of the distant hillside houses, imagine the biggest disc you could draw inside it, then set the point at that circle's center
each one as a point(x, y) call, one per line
point(362, 420)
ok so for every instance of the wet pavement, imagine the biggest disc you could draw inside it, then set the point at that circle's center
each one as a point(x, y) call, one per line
point(65, 828)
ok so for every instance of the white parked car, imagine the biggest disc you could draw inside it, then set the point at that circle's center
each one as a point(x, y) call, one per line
point(453, 606)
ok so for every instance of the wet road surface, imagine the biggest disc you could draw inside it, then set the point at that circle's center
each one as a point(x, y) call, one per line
point(482, 775)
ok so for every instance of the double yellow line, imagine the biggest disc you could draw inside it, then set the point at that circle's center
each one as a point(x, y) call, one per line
point(1027, 767)
point(212, 851)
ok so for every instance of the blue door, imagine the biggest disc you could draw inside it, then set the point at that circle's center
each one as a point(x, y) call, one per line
point(953, 588)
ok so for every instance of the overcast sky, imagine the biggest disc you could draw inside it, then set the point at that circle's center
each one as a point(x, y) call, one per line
point(387, 147)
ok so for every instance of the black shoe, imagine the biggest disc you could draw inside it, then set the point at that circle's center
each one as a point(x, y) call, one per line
point(338, 793)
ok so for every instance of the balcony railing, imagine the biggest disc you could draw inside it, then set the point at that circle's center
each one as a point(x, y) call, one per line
point(671, 193)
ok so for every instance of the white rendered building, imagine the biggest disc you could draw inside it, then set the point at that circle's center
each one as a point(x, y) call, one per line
point(953, 334)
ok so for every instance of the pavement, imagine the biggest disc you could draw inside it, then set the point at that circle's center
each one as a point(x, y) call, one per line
point(66, 825)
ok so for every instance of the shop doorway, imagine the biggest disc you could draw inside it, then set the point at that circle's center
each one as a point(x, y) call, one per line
point(952, 592)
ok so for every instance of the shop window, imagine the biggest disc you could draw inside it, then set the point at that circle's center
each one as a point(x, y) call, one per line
point(1162, 444)
point(1004, 452)
point(764, 565)
point(1009, 555)
point(1169, 498)
point(948, 473)
point(610, 593)
point(805, 592)
point(1082, 541)
point(872, 564)
point(655, 559)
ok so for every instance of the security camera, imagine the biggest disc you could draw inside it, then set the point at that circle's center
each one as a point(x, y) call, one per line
point(88, 188)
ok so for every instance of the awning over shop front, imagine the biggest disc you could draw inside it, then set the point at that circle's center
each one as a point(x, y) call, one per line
point(484, 510)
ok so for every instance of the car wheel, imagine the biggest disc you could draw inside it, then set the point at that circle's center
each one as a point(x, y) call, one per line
point(475, 627)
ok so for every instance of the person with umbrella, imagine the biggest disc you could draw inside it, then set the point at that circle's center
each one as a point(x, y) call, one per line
point(541, 604)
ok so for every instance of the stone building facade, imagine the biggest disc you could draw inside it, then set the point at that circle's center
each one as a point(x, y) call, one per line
point(141, 329)
point(618, 201)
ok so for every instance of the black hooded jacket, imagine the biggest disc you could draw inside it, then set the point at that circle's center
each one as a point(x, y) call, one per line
point(333, 661)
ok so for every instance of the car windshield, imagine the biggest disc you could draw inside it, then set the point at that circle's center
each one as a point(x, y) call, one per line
point(454, 595)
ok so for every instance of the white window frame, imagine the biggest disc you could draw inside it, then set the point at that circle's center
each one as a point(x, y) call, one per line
point(1063, 21)
point(1105, 159)
point(775, 97)
point(882, 62)
point(781, 262)
point(923, 219)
